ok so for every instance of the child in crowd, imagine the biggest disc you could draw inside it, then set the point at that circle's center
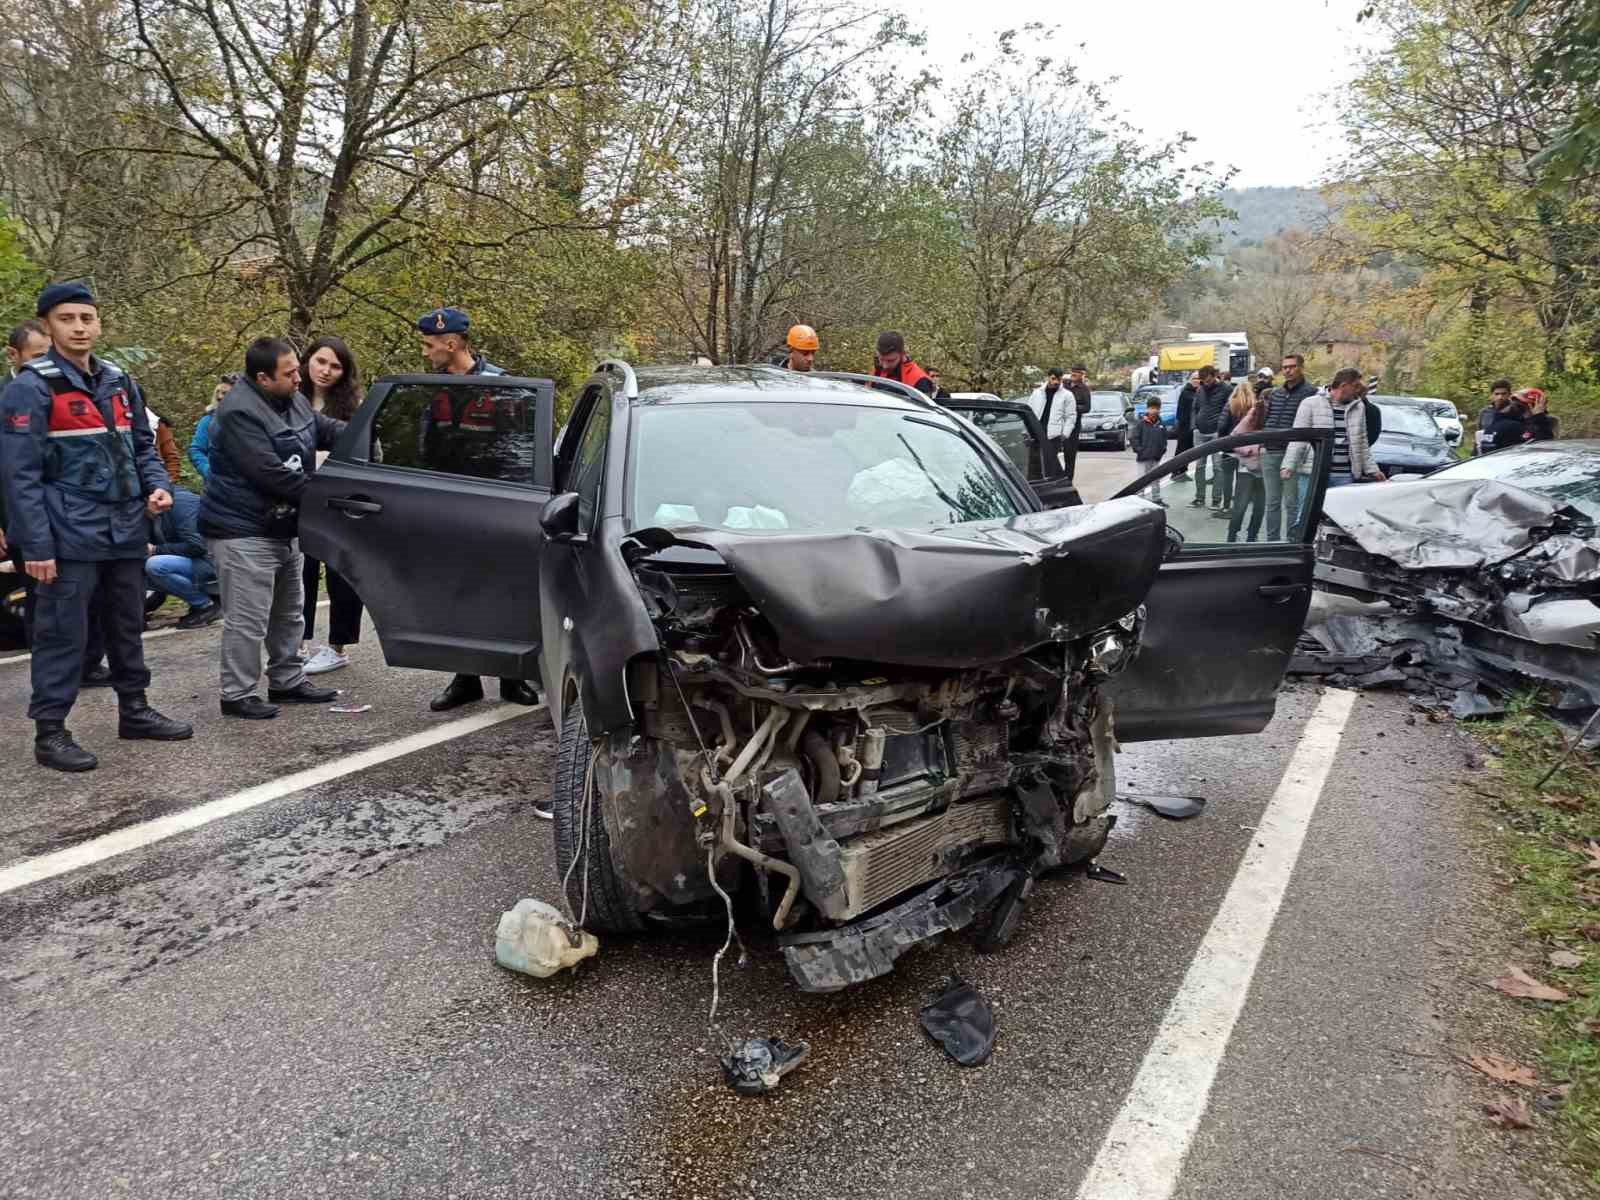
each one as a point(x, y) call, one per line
point(1148, 438)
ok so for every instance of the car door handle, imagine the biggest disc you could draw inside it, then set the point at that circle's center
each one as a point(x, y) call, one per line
point(355, 506)
point(1279, 592)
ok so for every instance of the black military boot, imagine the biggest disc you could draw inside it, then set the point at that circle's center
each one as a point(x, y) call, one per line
point(463, 689)
point(53, 747)
point(138, 721)
point(518, 691)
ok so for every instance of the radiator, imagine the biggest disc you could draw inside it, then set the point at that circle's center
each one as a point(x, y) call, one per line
point(879, 866)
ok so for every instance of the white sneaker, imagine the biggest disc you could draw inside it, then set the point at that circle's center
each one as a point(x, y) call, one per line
point(324, 660)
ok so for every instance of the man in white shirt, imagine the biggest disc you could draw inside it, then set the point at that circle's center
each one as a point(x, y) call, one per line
point(1057, 410)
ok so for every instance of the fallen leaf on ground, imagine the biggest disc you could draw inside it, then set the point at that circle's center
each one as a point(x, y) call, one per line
point(1565, 959)
point(1503, 1069)
point(1563, 800)
point(1591, 931)
point(1593, 1027)
point(1591, 851)
point(1517, 982)
point(1508, 1112)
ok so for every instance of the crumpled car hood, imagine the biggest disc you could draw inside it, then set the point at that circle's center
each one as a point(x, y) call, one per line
point(1462, 525)
point(961, 596)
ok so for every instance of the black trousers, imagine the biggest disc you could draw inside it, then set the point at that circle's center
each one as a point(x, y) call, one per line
point(1069, 451)
point(344, 606)
point(110, 594)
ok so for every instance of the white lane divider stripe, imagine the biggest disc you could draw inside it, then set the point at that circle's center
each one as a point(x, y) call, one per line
point(134, 837)
point(148, 635)
point(1143, 1152)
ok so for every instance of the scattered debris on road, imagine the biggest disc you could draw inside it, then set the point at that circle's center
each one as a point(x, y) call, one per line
point(1517, 982)
point(537, 940)
point(1174, 808)
point(961, 1021)
point(1566, 960)
point(758, 1065)
point(350, 708)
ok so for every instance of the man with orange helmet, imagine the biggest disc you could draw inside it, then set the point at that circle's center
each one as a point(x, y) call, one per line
point(803, 345)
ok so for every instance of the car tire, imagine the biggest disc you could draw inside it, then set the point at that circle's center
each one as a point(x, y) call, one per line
point(609, 908)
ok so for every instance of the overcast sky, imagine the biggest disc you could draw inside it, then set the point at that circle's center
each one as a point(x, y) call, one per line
point(1275, 130)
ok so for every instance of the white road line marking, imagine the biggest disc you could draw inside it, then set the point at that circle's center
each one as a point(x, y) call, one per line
point(147, 635)
point(1143, 1152)
point(121, 841)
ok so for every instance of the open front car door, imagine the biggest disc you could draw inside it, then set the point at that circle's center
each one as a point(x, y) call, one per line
point(429, 506)
point(1231, 597)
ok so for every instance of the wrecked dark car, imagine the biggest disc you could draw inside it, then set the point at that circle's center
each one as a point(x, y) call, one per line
point(1483, 580)
point(805, 640)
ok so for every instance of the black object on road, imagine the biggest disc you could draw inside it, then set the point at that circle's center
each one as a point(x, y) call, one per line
point(1101, 874)
point(961, 1021)
point(1174, 808)
point(758, 1065)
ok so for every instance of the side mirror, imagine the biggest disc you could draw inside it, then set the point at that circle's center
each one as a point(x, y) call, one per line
point(559, 520)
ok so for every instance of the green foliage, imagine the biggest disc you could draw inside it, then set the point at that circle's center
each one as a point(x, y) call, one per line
point(1567, 64)
point(20, 278)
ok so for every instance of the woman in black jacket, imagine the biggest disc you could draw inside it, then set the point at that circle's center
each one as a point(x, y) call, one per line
point(331, 382)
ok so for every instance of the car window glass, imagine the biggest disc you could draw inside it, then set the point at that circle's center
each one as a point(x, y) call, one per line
point(1110, 402)
point(1010, 432)
point(1408, 418)
point(475, 429)
point(809, 467)
point(588, 468)
point(1228, 497)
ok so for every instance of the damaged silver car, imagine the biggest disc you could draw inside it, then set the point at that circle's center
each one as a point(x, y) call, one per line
point(1486, 574)
point(803, 640)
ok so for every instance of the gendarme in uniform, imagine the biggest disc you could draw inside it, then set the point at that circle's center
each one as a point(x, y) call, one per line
point(79, 466)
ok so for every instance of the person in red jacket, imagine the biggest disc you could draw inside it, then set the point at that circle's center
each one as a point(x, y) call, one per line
point(894, 363)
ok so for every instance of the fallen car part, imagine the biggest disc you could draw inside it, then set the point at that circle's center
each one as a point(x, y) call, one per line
point(535, 939)
point(1174, 808)
point(961, 1021)
point(1101, 874)
point(758, 1065)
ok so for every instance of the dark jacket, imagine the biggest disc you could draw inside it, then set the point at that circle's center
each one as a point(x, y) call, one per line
point(1149, 441)
point(263, 452)
point(1283, 402)
point(1081, 394)
point(77, 462)
point(1541, 427)
point(1510, 429)
point(177, 531)
point(1199, 408)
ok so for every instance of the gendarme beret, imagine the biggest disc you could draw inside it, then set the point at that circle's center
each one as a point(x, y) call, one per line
point(74, 292)
point(443, 320)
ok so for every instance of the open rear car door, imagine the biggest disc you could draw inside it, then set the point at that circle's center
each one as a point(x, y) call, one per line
point(429, 506)
point(1223, 617)
point(1015, 428)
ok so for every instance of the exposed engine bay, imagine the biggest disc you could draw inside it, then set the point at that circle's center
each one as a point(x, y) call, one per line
point(866, 804)
point(1470, 585)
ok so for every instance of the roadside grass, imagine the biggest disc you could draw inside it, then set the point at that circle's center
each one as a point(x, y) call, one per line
point(1556, 880)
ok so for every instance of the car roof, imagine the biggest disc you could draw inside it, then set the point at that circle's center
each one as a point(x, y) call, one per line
point(757, 383)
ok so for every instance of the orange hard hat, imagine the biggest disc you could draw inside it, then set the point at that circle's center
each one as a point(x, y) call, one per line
point(803, 337)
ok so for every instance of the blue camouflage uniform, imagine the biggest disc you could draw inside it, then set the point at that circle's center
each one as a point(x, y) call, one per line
point(78, 461)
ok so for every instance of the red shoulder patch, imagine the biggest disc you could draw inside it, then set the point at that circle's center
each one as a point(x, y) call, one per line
point(19, 422)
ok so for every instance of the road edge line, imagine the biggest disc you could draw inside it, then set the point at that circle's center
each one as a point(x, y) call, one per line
point(135, 837)
point(1143, 1152)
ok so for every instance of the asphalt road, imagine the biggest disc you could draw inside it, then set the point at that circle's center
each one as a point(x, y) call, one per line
point(299, 999)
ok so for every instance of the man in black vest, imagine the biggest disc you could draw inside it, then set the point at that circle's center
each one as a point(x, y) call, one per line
point(78, 462)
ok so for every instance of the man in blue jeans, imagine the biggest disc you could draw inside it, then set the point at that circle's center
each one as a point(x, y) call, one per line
point(1283, 402)
point(178, 564)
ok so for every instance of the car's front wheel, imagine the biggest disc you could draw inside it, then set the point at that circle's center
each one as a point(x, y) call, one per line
point(583, 848)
